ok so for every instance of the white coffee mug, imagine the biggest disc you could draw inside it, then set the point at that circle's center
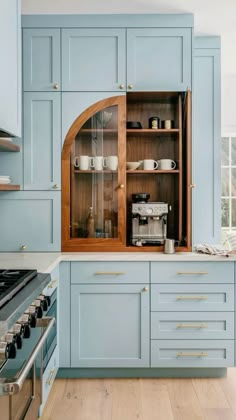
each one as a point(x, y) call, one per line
point(82, 162)
point(149, 164)
point(98, 163)
point(111, 162)
point(166, 164)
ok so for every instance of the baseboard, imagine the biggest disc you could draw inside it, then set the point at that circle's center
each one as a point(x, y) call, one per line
point(142, 373)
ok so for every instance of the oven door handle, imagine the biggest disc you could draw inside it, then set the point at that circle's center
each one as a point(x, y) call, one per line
point(13, 386)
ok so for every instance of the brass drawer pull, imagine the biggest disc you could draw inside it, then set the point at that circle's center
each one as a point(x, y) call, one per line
point(200, 354)
point(191, 272)
point(108, 273)
point(191, 297)
point(191, 326)
point(52, 283)
point(50, 377)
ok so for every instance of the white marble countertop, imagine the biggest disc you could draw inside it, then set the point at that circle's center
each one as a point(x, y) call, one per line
point(47, 261)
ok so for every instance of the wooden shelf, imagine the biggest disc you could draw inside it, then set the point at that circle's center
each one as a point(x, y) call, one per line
point(8, 146)
point(153, 171)
point(92, 171)
point(9, 187)
point(151, 131)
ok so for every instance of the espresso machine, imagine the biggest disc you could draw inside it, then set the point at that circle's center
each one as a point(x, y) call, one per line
point(149, 220)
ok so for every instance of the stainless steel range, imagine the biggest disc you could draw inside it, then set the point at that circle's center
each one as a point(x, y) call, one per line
point(24, 331)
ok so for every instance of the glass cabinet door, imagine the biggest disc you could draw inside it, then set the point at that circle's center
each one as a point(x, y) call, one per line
point(96, 186)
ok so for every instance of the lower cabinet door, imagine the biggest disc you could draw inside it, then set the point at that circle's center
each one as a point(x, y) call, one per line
point(109, 325)
point(192, 353)
point(30, 221)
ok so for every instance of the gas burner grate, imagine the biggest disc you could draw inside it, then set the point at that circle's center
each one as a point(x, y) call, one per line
point(12, 281)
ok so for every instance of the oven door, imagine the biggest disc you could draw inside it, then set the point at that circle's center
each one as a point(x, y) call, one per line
point(20, 378)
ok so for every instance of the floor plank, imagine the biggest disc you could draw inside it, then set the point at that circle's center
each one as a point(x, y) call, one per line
point(210, 393)
point(155, 399)
point(184, 401)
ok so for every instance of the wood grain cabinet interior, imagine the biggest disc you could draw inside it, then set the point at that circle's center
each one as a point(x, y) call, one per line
point(96, 179)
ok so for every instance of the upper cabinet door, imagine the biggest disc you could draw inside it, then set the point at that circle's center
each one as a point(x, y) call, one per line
point(10, 69)
point(206, 142)
point(159, 59)
point(93, 59)
point(42, 140)
point(41, 59)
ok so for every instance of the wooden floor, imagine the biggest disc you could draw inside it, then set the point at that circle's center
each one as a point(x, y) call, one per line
point(143, 399)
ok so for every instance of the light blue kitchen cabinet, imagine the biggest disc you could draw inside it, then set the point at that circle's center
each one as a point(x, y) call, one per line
point(206, 141)
point(109, 325)
point(192, 353)
point(41, 59)
point(114, 272)
point(192, 325)
point(159, 59)
point(29, 221)
point(42, 140)
point(93, 59)
point(10, 69)
point(48, 377)
point(190, 272)
point(192, 297)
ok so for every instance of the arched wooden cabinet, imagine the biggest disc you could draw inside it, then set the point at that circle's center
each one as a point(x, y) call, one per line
point(97, 186)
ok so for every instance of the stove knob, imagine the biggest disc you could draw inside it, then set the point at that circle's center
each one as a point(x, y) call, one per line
point(10, 338)
point(19, 341)
point(38, 308)
point(33, 320)
point(26, 333)
point(29, 317)
point(44, 303)
point(48, 300)
point(17, 329)
point(39, 312)
point(11, 351)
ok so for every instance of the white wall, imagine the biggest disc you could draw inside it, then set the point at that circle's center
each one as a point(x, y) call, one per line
point(212, 17)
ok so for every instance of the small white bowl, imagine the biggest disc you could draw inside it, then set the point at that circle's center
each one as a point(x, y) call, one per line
point(132, 165)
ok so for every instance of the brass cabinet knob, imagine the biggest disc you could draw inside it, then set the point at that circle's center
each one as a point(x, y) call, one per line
point(192, 185)
point(22, 247)
point(55, 186)
point(56, 86)
point(130, 86)
point(121, 186)
point(121, 86)
point(145, 289)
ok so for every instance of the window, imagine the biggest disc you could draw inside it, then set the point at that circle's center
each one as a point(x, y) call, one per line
point(228, 184)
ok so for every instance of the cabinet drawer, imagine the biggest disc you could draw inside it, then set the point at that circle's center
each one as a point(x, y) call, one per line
point(194, 353)
point(192, 325)
point(192, 297)
point(109, 272)
point(190, 272)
